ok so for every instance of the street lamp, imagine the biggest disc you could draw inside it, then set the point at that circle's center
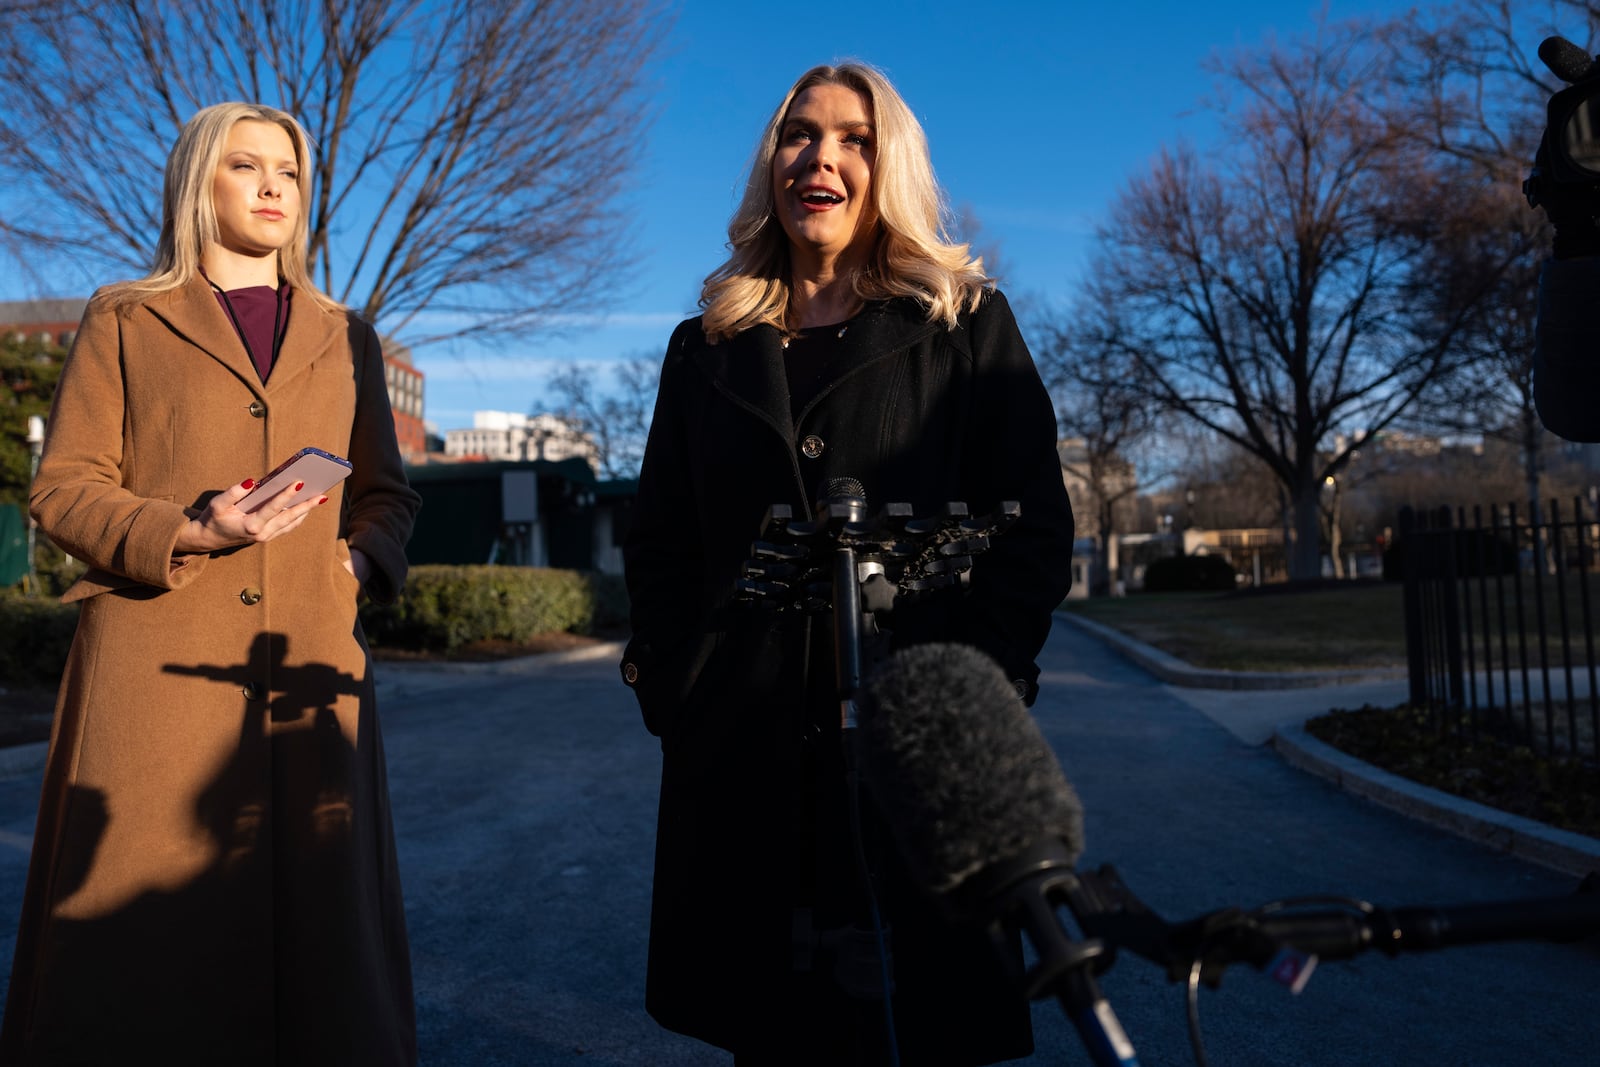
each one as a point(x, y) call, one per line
point(35, 450)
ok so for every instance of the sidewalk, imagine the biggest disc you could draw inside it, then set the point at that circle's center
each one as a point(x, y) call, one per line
point(1271, 708)
point(1257, 707)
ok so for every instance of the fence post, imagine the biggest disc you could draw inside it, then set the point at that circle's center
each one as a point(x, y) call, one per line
point(1411, 557)
point(1455, 671)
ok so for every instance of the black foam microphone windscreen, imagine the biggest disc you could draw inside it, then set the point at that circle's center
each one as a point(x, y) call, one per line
point(958, 766)
point(1566, 60)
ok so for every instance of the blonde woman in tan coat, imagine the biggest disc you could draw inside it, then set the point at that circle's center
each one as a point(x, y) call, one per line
point(213, 876)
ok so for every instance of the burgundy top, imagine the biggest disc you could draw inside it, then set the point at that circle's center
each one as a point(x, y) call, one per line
point(255, 312)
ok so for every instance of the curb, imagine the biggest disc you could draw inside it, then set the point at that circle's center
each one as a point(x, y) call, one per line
point(1525, 838)
point(518, 665)
point(1174, 671)
point(1515, 835)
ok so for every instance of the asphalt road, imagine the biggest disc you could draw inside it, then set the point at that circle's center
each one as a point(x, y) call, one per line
point(524, 803)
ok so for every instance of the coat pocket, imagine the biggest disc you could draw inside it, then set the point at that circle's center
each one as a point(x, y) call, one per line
point(95, 581)
point(662, 680)
point(346, 574)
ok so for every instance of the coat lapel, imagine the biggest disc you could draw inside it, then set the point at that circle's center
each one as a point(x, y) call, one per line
point(883, 328)
point(749, 368)
point(310, 333)
point(193, 313)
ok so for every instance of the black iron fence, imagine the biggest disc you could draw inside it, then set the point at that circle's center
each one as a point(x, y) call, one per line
point(1500, 623)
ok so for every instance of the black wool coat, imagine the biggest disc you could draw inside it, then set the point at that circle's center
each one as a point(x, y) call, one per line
point(752, 811)
point(1566, 353)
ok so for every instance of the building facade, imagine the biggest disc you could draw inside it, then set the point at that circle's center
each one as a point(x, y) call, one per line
point(405, 384)
point(510, 437)
point(49, 321)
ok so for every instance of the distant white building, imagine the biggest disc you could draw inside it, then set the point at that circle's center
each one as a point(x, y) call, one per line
point(507, 435)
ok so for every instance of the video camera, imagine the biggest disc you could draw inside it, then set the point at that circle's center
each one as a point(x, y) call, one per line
point(1565, 180)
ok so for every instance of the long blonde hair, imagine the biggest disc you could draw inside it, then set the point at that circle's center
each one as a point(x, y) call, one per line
point(912, 254)
point(189, 217)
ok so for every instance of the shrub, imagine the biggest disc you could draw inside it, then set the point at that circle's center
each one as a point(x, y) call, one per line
point(610, 602)
point(1394, 562)
point(35, 636)
point(441, 608)
point(445, 607)
point(1176, 574)
point(57, 571)
point(1478, 554)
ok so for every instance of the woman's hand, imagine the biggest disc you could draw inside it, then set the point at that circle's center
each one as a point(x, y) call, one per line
point(222, 525)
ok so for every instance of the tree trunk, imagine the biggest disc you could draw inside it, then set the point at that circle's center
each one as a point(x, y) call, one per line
point(1532, 458)
point(1335, 534)
point(1305, 551)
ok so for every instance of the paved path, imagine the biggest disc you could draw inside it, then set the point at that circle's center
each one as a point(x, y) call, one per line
point(525, 801)
point(1195, 818)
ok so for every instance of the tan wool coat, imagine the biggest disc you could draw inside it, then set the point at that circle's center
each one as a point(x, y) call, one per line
point(213, 877)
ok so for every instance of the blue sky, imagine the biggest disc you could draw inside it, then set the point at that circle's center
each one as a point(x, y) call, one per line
point(1037, 114)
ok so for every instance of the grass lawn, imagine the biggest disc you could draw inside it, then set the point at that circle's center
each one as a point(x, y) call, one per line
point(1273, 629)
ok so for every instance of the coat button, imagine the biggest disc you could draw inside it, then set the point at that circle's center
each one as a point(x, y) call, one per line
point(630, 673)
point(252, 691)
point(812, 446)
point(250, 595)
point(258, 409)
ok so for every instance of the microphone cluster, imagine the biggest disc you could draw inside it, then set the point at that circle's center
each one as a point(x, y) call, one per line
point(789, 568)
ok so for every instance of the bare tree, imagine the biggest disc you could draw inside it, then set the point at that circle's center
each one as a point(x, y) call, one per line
point(1489, 254)
point(966, 225)
point(1483, 92)
point(1263, 296)
point(469, 152)
point(618, 420)
point(1101, 422)
point(1217, 485)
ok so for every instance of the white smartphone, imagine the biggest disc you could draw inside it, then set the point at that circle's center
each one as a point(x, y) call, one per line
point(318, 471)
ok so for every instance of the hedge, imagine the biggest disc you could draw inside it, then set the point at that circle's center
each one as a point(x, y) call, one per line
point(1478, 554)
point(445, 607)
point(1173, 574)
point(441, 609)
point(35, 635)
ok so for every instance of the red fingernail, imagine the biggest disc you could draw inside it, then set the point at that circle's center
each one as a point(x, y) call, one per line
point(324, 500)
point(248, 483)
point(297, 486)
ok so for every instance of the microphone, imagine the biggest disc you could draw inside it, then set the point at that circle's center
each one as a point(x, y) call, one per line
point(964, 777)
point(844, 492)
point(1566, 60)
point(985, 820)
point(841, 501)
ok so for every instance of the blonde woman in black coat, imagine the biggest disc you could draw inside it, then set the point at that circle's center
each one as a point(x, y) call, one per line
point(844, 337)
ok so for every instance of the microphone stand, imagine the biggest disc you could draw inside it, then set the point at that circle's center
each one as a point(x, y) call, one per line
point(818, 566)
point(843, 504)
